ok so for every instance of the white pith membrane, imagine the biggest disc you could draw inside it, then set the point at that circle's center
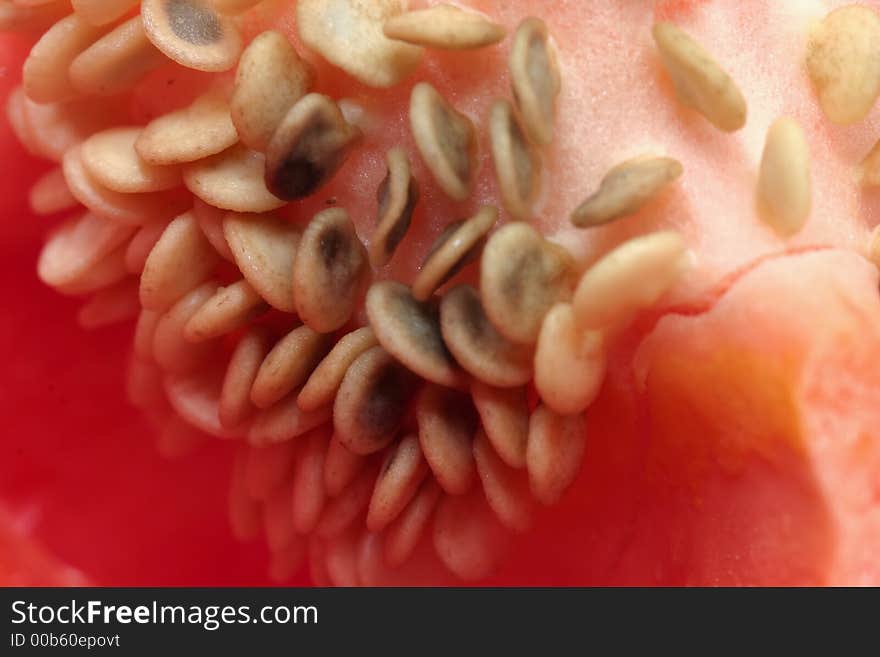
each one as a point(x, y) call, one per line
point(383, 412)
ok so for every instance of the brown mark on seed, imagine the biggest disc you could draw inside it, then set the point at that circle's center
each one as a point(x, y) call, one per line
point(517, 163)
point(308, 147)
point(372, 401)
point(534, 76)
point(447, 424)
point(191, 33)
point(410, 331)
point(477, 345)
point(330, 271)
point(192, 22)
point(446, 139)
point(626, 188)
point(325, 380)
point(459, 244)
point(397, 197)
point(521, 276)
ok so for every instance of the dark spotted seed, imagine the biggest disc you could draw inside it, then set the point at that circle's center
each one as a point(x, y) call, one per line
point(517, 164)
point(192, 22)
point(446, 140)
point(534, 74)
point(308, 147)
point(410, 331)
point(447, 425)
point(191, 33)
point(477, 345)
point(457, 245)
point(372, 401)
point(522, 275)
point(626, 188)
point(397, 196)
point(329, 271)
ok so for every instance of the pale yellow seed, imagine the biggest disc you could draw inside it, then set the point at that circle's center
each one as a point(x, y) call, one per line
point(181, 260)
point(348, 34)
point(569, 363)
point(229, 309)
point(232, 180)
point(700, 82)
point(626, 188)
point(110, 157)
point(446, 140)
point(444, 26)
point(458, 245)
point(517, 164)
point(116, 62)
point(784, 191)
point(271, 77)
point(535, 78)
point(131, 209)
point(632, 277)
point(202, 129)
point(264, 248)
point(555, 453)
point(288, 365)
point(77, 246)
point(45, 71)
point(843, 60)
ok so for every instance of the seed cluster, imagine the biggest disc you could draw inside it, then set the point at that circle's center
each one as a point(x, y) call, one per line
point(361, 404)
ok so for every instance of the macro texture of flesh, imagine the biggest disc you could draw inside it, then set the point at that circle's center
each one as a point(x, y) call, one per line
point(757, 465)
point(617, 103)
